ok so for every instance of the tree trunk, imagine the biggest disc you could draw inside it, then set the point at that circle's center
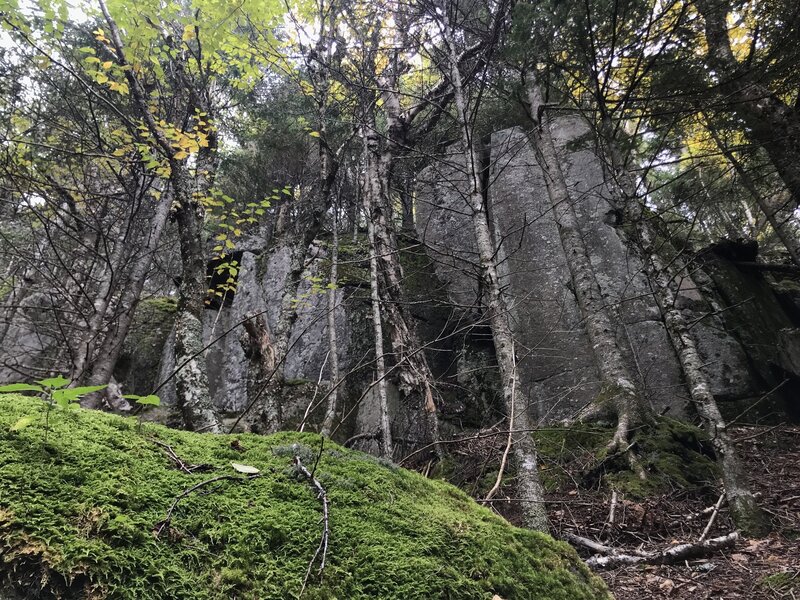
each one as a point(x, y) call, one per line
point(191, 381)
point(414, 375)
point(333, 345)
point(618, 392)
point(529, 486)
point(386, 444)
point(111, 347)
point(746, 513)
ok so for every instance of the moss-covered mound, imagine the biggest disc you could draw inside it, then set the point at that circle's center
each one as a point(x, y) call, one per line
point(78, 514)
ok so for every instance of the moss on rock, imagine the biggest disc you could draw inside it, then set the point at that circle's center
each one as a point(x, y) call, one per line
point(77, 516)
point(674, 454)
point(137, 369)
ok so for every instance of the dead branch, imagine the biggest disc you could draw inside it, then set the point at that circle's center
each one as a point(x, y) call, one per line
point(322, 548)
point(159, 527)
point(672, 555)
point(713, 517)
point(178, 461)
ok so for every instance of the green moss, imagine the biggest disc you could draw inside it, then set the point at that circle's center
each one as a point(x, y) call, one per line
point(137, 369)
point(77, 516)
point(784, 583)
point(674, 455)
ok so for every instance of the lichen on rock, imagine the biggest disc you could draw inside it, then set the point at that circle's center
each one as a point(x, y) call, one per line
point(78, 512)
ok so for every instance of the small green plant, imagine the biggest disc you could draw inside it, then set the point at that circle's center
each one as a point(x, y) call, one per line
point(54, 391)
point(143, 402)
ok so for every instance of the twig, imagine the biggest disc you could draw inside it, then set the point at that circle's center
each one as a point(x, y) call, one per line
point(322, 549)
point(613, 508)
point(503, 461)
point(165, 523)
point(713, 516)
point(178, 462)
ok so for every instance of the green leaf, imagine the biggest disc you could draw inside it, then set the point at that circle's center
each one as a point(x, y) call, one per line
point(64, 397)
point(22, 423)
point(151, 400)
point(20, 387)
point(246, 469)
point(82, 391)
point(54, 382)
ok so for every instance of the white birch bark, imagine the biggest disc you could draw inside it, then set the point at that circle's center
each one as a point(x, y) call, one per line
point(618, 392)
point(529, 486)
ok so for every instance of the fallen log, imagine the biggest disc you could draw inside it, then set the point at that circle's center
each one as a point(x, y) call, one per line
point(672, 555)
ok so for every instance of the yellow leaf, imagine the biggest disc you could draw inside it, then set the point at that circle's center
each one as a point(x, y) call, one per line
point(188, 33)
point(107, 65)
point(180, 155)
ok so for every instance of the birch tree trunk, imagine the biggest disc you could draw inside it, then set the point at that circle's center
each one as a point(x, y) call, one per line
point(368, 195)
point(333, 345)
point(745, 511)
point(529, 486)
point(618, 393)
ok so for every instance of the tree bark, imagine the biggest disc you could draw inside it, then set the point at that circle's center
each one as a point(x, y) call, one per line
point(329, 419)
point(414, 375)
point(368, 195)
point(529, 486)
point(618, 392)
point(191, 381)
point(745, 511)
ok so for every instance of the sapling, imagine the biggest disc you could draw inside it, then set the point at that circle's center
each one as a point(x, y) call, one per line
point(53, 391)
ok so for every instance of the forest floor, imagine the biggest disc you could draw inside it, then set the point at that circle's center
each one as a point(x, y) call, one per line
point(754, 568)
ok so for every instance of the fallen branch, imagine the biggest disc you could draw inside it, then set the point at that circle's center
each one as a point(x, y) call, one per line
point(322, 548)
point(178, 462)
point(159, 528)
point(672, 555)
point(713, 518)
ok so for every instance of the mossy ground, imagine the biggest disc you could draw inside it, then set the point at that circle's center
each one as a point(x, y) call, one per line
point(674, 454)
point(77, 515)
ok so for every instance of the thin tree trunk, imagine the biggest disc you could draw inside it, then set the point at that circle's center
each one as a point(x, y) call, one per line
point(414, 374)
point(386, 445)
point(333, 345)
point(746, 513)
point(618, 392)
point(529, 486)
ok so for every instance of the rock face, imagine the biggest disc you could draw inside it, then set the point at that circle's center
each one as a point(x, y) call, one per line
point(745, 319)
point(557, 368)
point(259, 291)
